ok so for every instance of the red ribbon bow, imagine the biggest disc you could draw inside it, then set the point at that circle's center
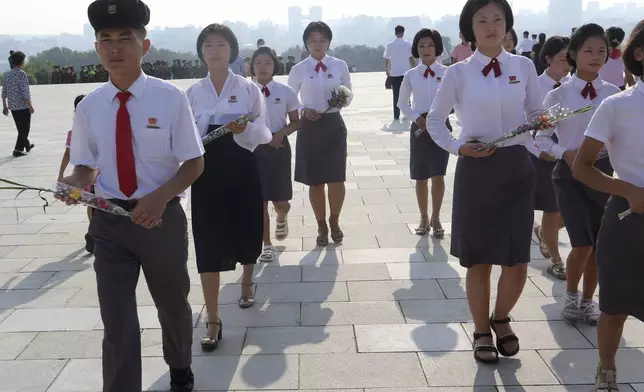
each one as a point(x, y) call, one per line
point(589, 90)
point(266, 92)
point(320, 66)
point(493, 65)
point(429, 71)
point(615, 54)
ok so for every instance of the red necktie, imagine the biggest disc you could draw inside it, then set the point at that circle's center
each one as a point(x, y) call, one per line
point(493, 65)
point(589, 90)
point(320, 66)
point(615, 54)
point(266, 92)
point(124, 152)
point(429, 71)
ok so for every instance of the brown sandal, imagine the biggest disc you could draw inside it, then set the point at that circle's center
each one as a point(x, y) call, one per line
point(336, 234)
point(323, 236)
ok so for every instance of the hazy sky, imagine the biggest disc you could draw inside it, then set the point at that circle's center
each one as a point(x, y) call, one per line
point(70, 15)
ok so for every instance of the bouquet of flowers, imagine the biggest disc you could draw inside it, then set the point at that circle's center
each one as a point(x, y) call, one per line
point(339, 98)
point(64, 190)
point(548, 118)
point(225, 129)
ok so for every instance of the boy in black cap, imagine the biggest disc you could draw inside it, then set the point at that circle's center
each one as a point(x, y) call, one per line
point(138, 134)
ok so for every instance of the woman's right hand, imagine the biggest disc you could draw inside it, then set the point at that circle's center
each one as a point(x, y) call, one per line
point(473, 150)
point(311, 115)
point(421, 122)
point(635, 199)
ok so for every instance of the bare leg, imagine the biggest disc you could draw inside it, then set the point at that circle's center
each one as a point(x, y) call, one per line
point(337, 192)
point(247, 281)
point(282, 208)
point(575, 266)
point(438, 192)
point(477, 284)
point(590, 278)
point(422, 196)
point(510, 287)
point(267, 225)
point(550, 232)
point(609, 333)
point(210, 287)
point(318, 202)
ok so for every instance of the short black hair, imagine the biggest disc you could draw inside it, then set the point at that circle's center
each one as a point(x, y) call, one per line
point(319, 27)
point(580, 36)
point(10, 52)
point(542, 38)
point(515, 39)
point(399, 29)
point(615, 36)
point(425, 33)
point(472, 6)
point(553, 45)
point(260, 40)
point(636, 40)
point(78, 99)
point(226, 33)
point(17, 58)
point(526, 33)
point(269, 51)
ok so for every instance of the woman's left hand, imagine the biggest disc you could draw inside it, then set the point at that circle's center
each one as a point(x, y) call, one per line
point(278, 138)
point(236, 127)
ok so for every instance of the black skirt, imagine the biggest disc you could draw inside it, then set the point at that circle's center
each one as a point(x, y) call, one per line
point(321, 151)
point(620, 259)
point(544, 196)
point(227, 207)
point(426, 159)
point(274, 166)
point(581, 207)
point(493, 210)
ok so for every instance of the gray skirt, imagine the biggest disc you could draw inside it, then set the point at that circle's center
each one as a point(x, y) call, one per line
point(620, 260)
point(426, 158)
point(493, 210)
point(581, 207)
point(275, 171)
point(321, 151)
point(544, 196)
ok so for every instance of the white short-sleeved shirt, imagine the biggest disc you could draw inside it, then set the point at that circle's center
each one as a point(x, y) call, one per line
point(398, 52)
point(486, 107)
point(239, 97)
point(570, 131)
point(423, 89)
point(547, 84)
point(314, 87)
point(618, 124)
point(280, 102)
point(613, 72)
point(164, 135)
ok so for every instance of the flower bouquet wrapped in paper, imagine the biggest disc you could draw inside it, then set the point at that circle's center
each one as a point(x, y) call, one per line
point(548, 118)
point(339, 98)
point(226, 129)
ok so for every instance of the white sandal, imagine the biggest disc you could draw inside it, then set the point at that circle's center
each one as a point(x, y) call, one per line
point(268, 254)
point(281, 229)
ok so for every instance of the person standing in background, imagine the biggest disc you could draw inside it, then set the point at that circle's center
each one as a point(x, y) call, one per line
point(9, 59)
point(614, 71)
point(16, 98)
point(525, 47)
point(260, 42)
point(462, 50)
point(536, 50)
point(398, 60)
point(239, 66)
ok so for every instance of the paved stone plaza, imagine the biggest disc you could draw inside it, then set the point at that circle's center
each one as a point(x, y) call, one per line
point(385, 311)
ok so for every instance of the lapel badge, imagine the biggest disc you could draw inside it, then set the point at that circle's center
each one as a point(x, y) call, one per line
point(513, 80)
point(232, 99)
point(152, 123)
point(111, 9)
point(438, 79)
point(277, 100)
point(329, 76)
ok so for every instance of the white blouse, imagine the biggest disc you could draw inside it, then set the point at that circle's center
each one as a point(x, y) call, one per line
point(239, 96)
point(618, 124)
point(547, 84)
point(281, 100)
point(486, 106)
point(571, 130)
point(315, 83)
point(420, 83)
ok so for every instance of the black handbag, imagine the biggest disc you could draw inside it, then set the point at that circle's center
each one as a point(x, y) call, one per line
point(388, 83)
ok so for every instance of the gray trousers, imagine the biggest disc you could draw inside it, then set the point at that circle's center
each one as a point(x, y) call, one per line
point(122, 250)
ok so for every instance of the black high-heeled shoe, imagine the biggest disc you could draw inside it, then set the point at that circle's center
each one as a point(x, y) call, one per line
point(209, 343)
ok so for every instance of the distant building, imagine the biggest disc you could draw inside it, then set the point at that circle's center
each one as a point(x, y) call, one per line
point(297, 22)
point(563, 15)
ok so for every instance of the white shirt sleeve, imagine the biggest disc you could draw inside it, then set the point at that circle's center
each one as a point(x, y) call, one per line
point(256, 132)
point(295, 82)
point(404, 97)
point(446, 98)
point(83, 148)
point(544, 137)
point(600, 127)
point(387, 55)
point(292, 102)
point(533, 104)
point(184, 135)
point(346, 81)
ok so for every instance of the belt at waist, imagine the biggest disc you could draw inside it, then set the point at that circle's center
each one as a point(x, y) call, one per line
point(129, 205)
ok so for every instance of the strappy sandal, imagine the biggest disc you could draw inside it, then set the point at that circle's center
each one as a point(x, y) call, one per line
point(606, 380)
point(484, 348)
point(439, 232)
point(336, 234)
point(268, 254)
point(542, 245)
point(281, 229)
point(501, 341)
point(209, 343)
point(247, 302)
point(423, 226)
point(323, 236)
point(557, 269)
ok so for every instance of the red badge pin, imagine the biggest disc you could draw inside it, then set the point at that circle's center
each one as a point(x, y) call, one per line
point(233, 98)
point(277, 100)
point(152, 123)
point(513, 80)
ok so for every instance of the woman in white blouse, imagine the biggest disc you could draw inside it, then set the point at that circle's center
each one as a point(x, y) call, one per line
point(492, 218)
point(274, 158)
point(617, 124)
point(227, 206)
point(581, 208)
point(553, 56)
point(614, 71)
point(427, 160)
point(321, 149)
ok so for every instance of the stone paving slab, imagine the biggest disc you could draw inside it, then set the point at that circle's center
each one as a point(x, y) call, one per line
point(385, 311)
